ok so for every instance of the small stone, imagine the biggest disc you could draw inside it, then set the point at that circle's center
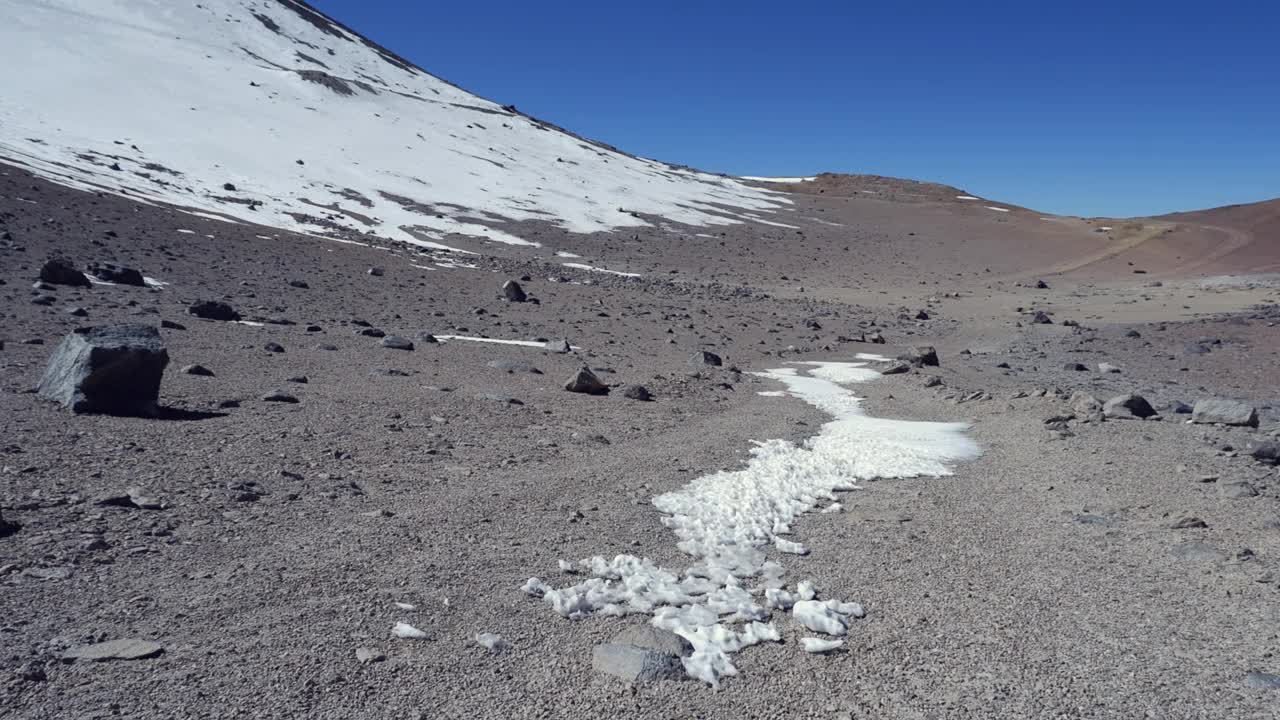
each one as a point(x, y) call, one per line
point(1076, 367)
point(375, 271)
point(512, 292)
point(1108, 368)
point(171, 325)
point(366, 655)
point(1237, 490)
point(127, 649)
point(395, 342)
point(280, 397)
point(1189, 523)
point(197, 370)
point(300, 284)
point(273, 347)
point(214, 310)
point(1128, 406)
point(703, 358)
point(1267, 453)
point(77, 312)
point(300, 379)
point(585, 381)
point(896, 368)
point(118, 274)
point(1041, 317)
point(920, 356)
point(637, 392)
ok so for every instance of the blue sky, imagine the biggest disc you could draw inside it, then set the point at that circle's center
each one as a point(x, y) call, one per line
point(1087, 108)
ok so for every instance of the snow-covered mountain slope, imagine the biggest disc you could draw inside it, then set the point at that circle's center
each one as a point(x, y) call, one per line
point(268, 111)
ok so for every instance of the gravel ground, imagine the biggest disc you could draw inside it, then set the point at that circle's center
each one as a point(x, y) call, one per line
point(1045, 579)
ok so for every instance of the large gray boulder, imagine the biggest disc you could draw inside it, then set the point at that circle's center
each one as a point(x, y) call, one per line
point(585, 381)
point(118, 274)
point(1227, 412)
point(62, 272)
point(512, 291)
point(636, 664)
point(652, 638)
point(114, 370)
point(920, 356)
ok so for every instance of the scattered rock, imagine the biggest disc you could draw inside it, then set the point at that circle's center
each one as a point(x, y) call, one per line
point(637, 392)
point(395, 342)
point(1042, 285)
point(491, 642)
point(1226, 412)
point(118, 274)
point(704, 358)
point(636, 664)
point(585, 381)
point(200, 370)
point(127, 649)
point(114, 369)
point(214, 310)
point(1237, 490)
point(1268, 453)
point(1128, 406)
point(920, 356)
point(273, 347)
point(375, 271)
point(896, 368)
point(559, 346)
point(427, 338)
point(77, 312)
point(1108, 368)
point(1041, 317)
point(1075, 367)
point(366, 655)
point(280, 397)
point(171, 325)
point(61, 272)
point(512, 291)
point(1188, 522)
point(1262, 681)
point(300, 284)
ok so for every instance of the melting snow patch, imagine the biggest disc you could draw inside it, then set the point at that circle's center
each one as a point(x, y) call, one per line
point(726, 521)
point(250, 323)
point(406, 606)
point(185, 231)
point(966, 197)
point(997, 209)
point(525, 343)
point(581, 266)
point(779, 179)
point(491, 642)
point(872, 357)
point(152, 282)
point(818, 646)
point(562, 253)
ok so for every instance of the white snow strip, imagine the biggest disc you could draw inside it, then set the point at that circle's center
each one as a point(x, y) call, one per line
point(315, 129)
point(771, 393)
point(779, 179)
point(727, 520)
point(184, 231)
point(525, 343)
point(250, 323)
point(407, 632)
point(967, 197)
point(818, 646)
point(1104, 227)
point(581, 266)
point(406, 606)
point(565, 254)
point(872, 357)
point(152, 282)
point(997, 209)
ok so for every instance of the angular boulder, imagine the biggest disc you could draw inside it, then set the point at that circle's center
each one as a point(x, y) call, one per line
point(114, 370)
point(214, 310)
point(512, 291)
point(61, 272)
point(585, 381)
point(703, 358)
point(637, 392)
point(1228, 412)
point(920, 356)
point(652, 638)
point(118, 274)
point(1128, 406)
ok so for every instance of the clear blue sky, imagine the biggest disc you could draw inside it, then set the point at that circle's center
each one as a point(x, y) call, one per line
point(1088, 108)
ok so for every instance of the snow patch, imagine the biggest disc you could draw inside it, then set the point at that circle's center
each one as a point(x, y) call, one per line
point(405, 631)
point(591, 268)
point(727, 520)
point(525, 343)
point(779, 179)
point(967, 197)
point(997, 209)
point(818, 646)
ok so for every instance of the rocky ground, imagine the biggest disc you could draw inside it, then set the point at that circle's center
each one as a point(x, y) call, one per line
point(257, 553)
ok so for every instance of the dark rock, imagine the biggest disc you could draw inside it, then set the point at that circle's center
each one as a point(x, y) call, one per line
point(45, 300)
point(214, 310)
point(118, 274)
point(229, 187)
point(280, 397)
point(395, 342)
point(372, 332)
point(1041, 317)
point(1128, 406)
point(922, 315)
point(1268, 453)
point(1133, 334)
point(896, 368)
point(512, 291)
point(1108, 368)
point(427, 338)
point(113, 369)
point(171, 325)
point(920, 356)
point(1180, 408)
point(1042, 285)
point(585, 381)
point(197, 370)
point(375, 271)
point(1226, 412)
point(77, 312)
point(703, 358)
point(637, 392)
point(61, 272)
point(1189, 523)
point(1075, 367)
point(273, 347)
point(300, 284)
point(300, 379)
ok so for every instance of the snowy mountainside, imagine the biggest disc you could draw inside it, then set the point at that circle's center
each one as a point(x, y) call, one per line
point(270, 112)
